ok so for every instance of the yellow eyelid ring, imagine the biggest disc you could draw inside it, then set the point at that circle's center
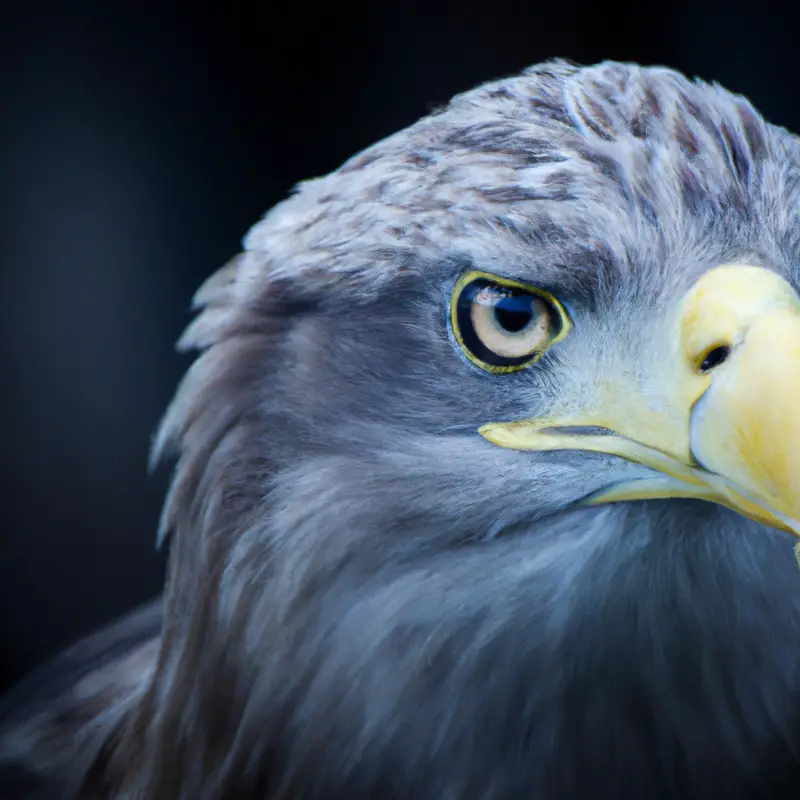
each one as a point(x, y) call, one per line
point(544, 323)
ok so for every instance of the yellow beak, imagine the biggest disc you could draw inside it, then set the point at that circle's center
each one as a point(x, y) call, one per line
point(726, 424)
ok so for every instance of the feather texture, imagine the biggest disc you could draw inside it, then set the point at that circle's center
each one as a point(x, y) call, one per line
point(365, 599)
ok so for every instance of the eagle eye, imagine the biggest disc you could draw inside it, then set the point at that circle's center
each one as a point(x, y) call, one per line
point(503, 325)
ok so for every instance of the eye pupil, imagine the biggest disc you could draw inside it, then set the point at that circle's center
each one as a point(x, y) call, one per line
point(513, 314)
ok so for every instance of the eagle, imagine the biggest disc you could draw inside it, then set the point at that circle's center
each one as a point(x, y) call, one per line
point(486, 477)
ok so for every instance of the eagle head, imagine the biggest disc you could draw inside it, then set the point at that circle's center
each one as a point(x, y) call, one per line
point(486, 470)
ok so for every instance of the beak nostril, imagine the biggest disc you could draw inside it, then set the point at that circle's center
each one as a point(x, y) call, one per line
point(714, 357)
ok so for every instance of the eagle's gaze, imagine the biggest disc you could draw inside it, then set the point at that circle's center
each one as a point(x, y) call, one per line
point(503, 325)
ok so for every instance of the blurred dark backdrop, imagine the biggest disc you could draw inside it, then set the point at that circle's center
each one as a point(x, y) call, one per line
point(139, 142)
